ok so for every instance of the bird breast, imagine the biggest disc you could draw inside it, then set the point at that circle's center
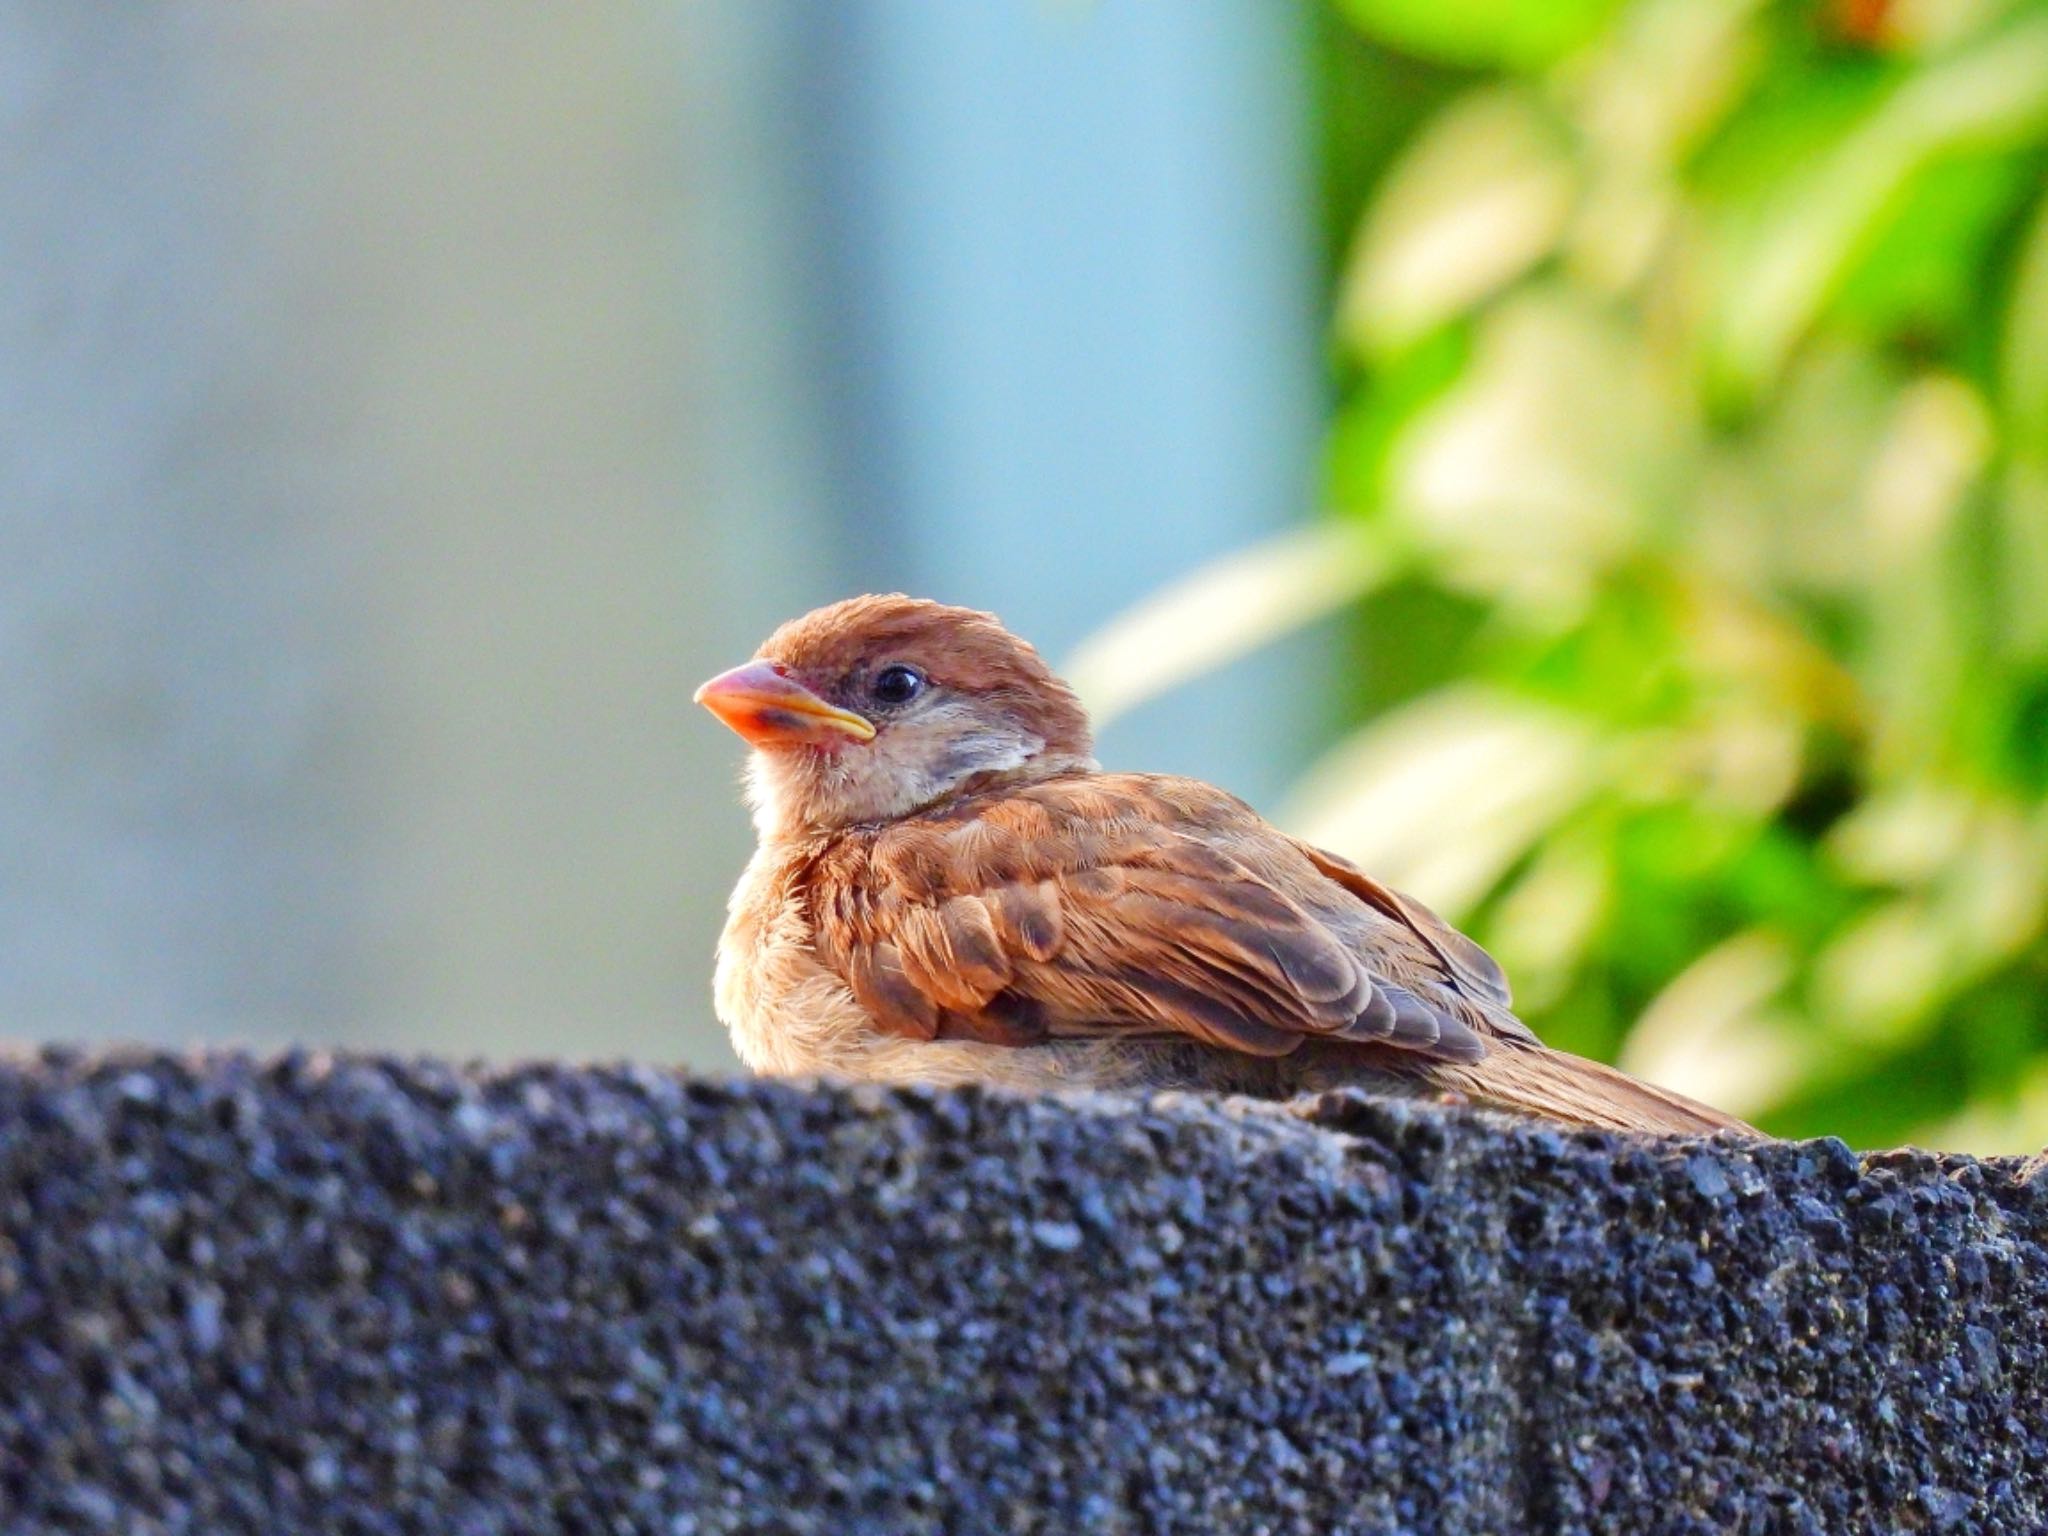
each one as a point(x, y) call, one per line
point(791, 1015)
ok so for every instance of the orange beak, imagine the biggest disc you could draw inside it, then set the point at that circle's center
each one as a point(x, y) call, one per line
point(769, 709)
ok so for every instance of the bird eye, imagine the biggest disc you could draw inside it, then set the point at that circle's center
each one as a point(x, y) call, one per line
point(896, 684)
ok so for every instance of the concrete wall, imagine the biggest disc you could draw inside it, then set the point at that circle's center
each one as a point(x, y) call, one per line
point(356, 1296)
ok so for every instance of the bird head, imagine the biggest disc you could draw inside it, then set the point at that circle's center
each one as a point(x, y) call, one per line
point(876, 707)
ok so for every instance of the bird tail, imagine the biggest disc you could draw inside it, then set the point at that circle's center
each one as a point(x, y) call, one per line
point(1565, 1087)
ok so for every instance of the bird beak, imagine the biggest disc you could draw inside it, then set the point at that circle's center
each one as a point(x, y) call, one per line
point(768, 709)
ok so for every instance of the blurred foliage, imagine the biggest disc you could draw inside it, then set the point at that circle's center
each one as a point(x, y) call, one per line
point(1689, 491)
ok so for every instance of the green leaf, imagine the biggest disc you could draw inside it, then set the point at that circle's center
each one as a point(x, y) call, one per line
point(1822, 217)
point(1719, 1030)
point(1516, 34)
point(1227, 609)
point(2024, 362)
point(1441, 796)
point(1922, 272)
point(1481, 196)
point(1524, 481)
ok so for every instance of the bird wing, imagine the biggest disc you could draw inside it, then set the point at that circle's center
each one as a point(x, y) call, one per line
point(1462, 962)
point(1139, 905)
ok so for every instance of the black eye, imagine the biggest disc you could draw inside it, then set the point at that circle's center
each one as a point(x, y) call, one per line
point(896, 684)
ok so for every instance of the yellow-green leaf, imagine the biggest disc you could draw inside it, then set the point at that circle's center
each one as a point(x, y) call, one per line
point(1228, 609)
point(1521, 34)
point(1481, 197)
point(1442, 796)
point(1989, 96)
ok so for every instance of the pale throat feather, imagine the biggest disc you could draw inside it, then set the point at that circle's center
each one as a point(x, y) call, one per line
point(903, 770)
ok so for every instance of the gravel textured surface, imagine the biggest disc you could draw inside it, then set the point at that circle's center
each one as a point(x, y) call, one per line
point(317, 1295)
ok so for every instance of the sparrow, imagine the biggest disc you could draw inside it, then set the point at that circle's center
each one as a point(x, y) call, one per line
point(949, 889)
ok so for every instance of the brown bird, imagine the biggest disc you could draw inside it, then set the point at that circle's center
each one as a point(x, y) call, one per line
point(948, 889)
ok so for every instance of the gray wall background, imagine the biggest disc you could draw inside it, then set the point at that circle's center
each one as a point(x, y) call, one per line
point(402, 407)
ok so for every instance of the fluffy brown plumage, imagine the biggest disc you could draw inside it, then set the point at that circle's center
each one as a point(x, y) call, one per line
point(948, 889)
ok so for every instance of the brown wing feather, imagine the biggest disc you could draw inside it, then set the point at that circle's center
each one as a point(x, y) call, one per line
point(951, 952)
point(1027, 917)
point(1580, 1092)
point(1140, 906)
point(1474, 969)
point(880, 984)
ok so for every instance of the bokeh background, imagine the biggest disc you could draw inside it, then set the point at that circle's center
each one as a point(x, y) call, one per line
point(1586, 459)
